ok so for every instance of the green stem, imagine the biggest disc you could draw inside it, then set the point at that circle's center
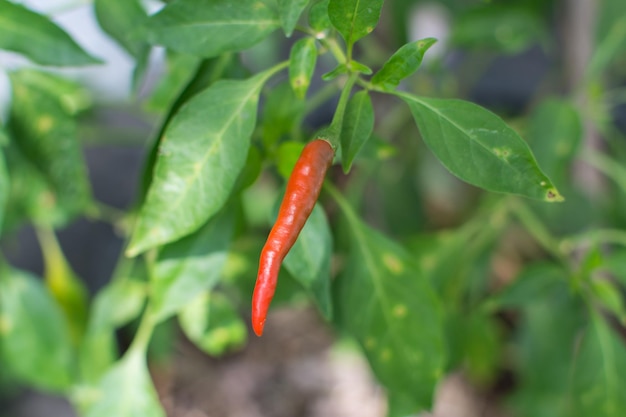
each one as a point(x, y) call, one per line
point(320, 97)
point(594, 237)
point(607, 166)
point(144, 332)
point(538, 230)
point(335, 49)
point(343, 204)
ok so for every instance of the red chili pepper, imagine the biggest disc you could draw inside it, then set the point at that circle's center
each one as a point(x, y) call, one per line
point(303, 189)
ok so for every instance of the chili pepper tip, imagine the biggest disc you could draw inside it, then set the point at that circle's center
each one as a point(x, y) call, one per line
point(257, 326)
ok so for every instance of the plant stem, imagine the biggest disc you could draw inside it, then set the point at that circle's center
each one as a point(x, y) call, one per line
point(537, 230)
point(343, 204)
point(607, 236)
point(144, 332)
point(343, 101)
point(607, 166)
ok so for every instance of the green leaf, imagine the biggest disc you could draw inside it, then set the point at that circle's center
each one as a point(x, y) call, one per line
point(334, 73)
point(354, 18)
point(34, 339)
point(202, 152)
point(33, 35)
point(207, 29)
point(599, 373)
point(282, 115)
point(71, 96)
point(475, 344)
point(548, 339)
point(98, 351)
point(609, 297)
point(211, 322)
point(302, 61)
point(608, 49)
point(4, 187)
point(180, 70)
point(64, 285)
point(615, 264)
point(356, 66)
point(505, 28)
point(555, 133)
point(391, 309)
point(534, 282)
point(287, 155)
point(318, 16)
point(357, 127)
point(121, 19)
point(404, 62)
point(125, 391)
point(290, 11)
point(186, 268)
point(45, 158)
point(479, 148)
point(308, 261)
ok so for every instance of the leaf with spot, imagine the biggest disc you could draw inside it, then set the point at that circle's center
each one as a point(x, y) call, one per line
point(354, 18)
point(479, 148)
point(308, 261)
point(36, 37)
point(555, 133)
point(390, 308)
point(302, 61)
point(404, 62)
point(45, 159)
point(357, 127)
point(202, 151)
point(209, 28)
point(35, 343)
point(290, 11)
point(189, 266)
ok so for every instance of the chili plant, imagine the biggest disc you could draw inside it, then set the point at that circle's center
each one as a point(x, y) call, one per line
point(422, 299)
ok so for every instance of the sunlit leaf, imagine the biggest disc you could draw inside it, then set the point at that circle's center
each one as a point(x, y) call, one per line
point(210, 28)
point(201, 153)
point(35, 36)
